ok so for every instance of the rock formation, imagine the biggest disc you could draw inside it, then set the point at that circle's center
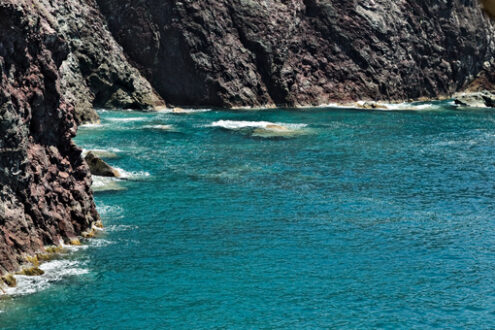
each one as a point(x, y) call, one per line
point(61, 59)
point(96, 72)
point(301, 52)
point(99, 167)
point(45, 195)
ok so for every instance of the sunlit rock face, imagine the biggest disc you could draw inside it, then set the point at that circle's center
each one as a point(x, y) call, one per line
point(302, 52)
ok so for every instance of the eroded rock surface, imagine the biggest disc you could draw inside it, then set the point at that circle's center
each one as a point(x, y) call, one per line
point(301, 52)
point(96, 72)
point(45, 195)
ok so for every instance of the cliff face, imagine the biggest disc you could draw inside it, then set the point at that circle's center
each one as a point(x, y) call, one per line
point(96, 72)
point(45, 195)
point(58, 60)
point(302, 52)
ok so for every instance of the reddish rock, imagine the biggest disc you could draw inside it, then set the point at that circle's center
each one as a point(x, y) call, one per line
point(248, 53)
point(36, 128)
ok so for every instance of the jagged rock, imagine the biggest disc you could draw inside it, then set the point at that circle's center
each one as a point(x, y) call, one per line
point(483, 99)
point(96, 72)
point(99, 167)
point(235, 53)
point(45, 195)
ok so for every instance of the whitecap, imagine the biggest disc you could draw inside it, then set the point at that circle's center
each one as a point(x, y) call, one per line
point(160, 127)
point(73, 248)
point(126, 119)
point(410, 106)
point(235, 125)
point(120, 228)
point(101, 183)
point(179, 111)
point(91, 125)
point(97, 243)
point(55, 270)
point(264, 129)
point(132, 175)
point(384, 106)
point(109, 211)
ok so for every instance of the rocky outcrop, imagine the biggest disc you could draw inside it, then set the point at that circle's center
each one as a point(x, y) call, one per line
point(99, 167)
point(60, 59)
point(96, 72)
point(45, 195)
point(253, 52)
point(484, 99)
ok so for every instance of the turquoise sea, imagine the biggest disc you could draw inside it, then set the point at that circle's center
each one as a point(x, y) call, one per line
point(317, 218)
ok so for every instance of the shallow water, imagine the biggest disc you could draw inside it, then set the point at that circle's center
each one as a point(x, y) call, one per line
point(358, 219)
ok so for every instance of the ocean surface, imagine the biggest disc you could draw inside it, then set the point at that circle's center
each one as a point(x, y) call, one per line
point(313, 218)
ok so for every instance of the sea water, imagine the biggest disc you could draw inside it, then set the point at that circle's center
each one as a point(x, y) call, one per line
point(314, 218)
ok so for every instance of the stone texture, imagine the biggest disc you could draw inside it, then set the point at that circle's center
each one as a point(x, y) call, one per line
point(483, 99)
point(99, 167)
point(231, 53)
point(96, 72)
point(45, 195)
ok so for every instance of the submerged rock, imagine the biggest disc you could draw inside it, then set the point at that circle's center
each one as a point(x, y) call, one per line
point(276, 131)
point(99, 167)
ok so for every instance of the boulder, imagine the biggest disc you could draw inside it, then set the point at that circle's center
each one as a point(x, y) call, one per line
point(99, 167)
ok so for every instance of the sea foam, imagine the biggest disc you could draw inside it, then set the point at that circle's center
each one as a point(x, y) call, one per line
point(55, 270)
point(235, 125)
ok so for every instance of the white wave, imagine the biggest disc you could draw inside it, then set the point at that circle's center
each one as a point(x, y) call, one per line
point(184, 111)
point(234, 124)
point(101, 183)
point(382, 106)
point(409, 106)
point(93, 125)
point(120, 228)
point(109, 211)
point(132, 175)
point(127, 119)
point(97, 243)
point(73, 248)
point(55, 270)
point(160, 127)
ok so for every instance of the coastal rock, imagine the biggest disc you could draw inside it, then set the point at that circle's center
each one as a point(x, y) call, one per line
point(99, 167)
point(96, 72)
point(483, 99)
point(371, 105)
point(238, 53)
point(45, 195)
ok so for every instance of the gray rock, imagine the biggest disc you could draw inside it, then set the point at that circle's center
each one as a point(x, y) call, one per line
point(484, 99)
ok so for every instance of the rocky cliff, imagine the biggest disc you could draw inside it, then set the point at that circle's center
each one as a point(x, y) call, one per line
point(61, 59)
point(96, 72)
point(45, 196)
point(300, 52)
